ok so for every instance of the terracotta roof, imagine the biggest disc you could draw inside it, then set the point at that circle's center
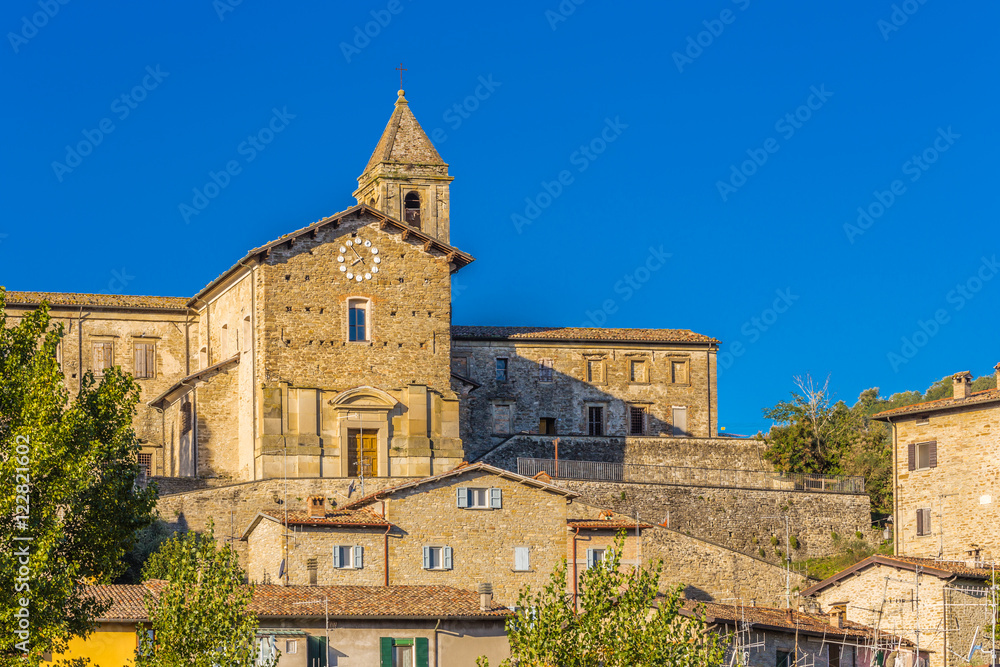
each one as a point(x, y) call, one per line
point(108, 301)
point(342, 518)
point(605, 524)
point(126, 601)
point(386, 222)
point(372, 601)
point(942, 569)
point(345, 601)
point(787, 620)
point(460, 470)
point(403, 140)
point(579, 334)
point(979, 397)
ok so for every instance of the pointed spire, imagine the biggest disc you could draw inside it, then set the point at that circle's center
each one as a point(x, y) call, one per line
point(403, 140)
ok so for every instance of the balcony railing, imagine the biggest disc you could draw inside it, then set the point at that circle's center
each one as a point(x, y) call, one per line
point(600, 471)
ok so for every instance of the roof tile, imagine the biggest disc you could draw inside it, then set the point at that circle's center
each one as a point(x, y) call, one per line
point(579, 334)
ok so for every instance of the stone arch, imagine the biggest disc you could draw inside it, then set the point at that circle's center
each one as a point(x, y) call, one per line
point(363, 413)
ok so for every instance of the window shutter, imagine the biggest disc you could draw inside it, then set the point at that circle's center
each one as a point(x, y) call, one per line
point(911, 454)
point(463, 497)
point(447, 557)
point(422, 651)
point(932, 453)
point(150, 361)
point(920, 522)
point(385, 651)
point(140, 361)
point(427, 558)
point(496, 499)
point(336, 557)
point(590, 558)
point(927, 522)
point(359, 556)
point(521, 558)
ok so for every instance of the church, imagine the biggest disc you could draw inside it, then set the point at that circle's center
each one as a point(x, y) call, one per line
point(330, 352)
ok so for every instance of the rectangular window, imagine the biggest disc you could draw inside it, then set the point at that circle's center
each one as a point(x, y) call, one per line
point(291, 646)
point(479, 498)
point(547, 426)
point(680, 421)
point(595, 371)
point(595, 556)
point(357, 321)
point(679, 372)
point(521, 559)
point(348, 557)
point(595, 420)
point(146, 465)
point(104, 357)
point(413, 652)
point(460, 366)
point(783, 659)
point(545, 370)
point(501, 419)
point(922, 455)
point(437, 558)
point(145, 361)
point(924, 521)
point(637, 371)
point(636, 420)
point(501, 370)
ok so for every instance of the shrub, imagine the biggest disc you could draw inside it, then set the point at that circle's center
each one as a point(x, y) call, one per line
point(793, 542)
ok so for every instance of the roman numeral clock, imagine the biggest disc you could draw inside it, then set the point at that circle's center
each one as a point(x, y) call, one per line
point(359, 260)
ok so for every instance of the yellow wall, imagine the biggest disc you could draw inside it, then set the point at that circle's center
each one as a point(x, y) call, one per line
point(111, 645)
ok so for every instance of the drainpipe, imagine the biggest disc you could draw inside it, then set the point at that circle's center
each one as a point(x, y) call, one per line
point(575, 603)
point(385, 551)
point(437, 660)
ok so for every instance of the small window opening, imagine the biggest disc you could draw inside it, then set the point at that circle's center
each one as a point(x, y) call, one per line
point(411, 209)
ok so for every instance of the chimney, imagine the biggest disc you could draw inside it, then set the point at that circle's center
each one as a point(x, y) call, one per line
point(963, 384)
point(485, 596)
point(837, 614)
point(316, 507)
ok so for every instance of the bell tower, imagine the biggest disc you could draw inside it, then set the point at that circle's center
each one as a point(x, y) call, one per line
point(406, 177)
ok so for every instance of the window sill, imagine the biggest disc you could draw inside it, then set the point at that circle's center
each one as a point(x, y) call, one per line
point(476, 508)
point(523, 571)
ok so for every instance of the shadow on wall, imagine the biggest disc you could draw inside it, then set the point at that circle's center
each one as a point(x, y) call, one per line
point(511, 395)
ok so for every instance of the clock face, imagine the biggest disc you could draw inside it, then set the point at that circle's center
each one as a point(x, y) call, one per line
point(359, 260)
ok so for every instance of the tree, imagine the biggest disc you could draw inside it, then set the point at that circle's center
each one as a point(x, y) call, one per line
point(202, 616)
point(69, 504)
point(622, 622)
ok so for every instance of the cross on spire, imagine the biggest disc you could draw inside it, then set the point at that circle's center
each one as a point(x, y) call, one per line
point(401, 69)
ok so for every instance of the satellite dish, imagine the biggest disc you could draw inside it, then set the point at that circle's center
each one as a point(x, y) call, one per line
point(281, 569)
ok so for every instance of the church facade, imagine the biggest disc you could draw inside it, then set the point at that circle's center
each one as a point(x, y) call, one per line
point(330, 352)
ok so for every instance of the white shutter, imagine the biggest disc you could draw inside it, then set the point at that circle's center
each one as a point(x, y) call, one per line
point(336, 557)
point(446, 552)
point(496, 497)
point(590, 558)
point(463, 497)
point(427, 558)
point(521, 561)
point(359, 557)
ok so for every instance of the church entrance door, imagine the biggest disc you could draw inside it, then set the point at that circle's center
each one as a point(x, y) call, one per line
point(362, 453)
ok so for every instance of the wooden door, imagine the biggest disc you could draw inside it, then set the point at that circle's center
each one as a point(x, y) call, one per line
point(362, 451)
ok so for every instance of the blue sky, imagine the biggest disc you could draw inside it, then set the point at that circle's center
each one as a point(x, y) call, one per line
point(711, 156)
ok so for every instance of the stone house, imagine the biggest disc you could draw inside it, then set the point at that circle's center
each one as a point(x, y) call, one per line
point(330, 352)
point(942, 607)
point(340, 626)
point(945, 474)
point(768, 637)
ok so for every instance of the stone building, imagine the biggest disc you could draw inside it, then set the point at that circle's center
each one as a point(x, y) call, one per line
point(945, 474)
point(330, 351)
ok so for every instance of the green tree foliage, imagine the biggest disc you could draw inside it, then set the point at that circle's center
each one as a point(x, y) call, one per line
point(202, 616)
point(814, 434)
point(147, 541)
point(68, 467)
point(622, 622)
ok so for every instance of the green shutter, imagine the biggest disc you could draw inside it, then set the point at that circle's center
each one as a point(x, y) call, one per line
point(385, 652)
point(423, 652)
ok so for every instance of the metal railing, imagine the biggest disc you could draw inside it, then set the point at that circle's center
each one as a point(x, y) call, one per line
point(600, 471)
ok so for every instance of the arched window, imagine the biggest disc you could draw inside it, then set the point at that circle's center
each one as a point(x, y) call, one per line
point(411, 208)
point(358, 321)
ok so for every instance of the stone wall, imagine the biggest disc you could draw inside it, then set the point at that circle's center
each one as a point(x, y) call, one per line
point(960, 490)
point(722, 453)
point(740, 519)
point(577, 384)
